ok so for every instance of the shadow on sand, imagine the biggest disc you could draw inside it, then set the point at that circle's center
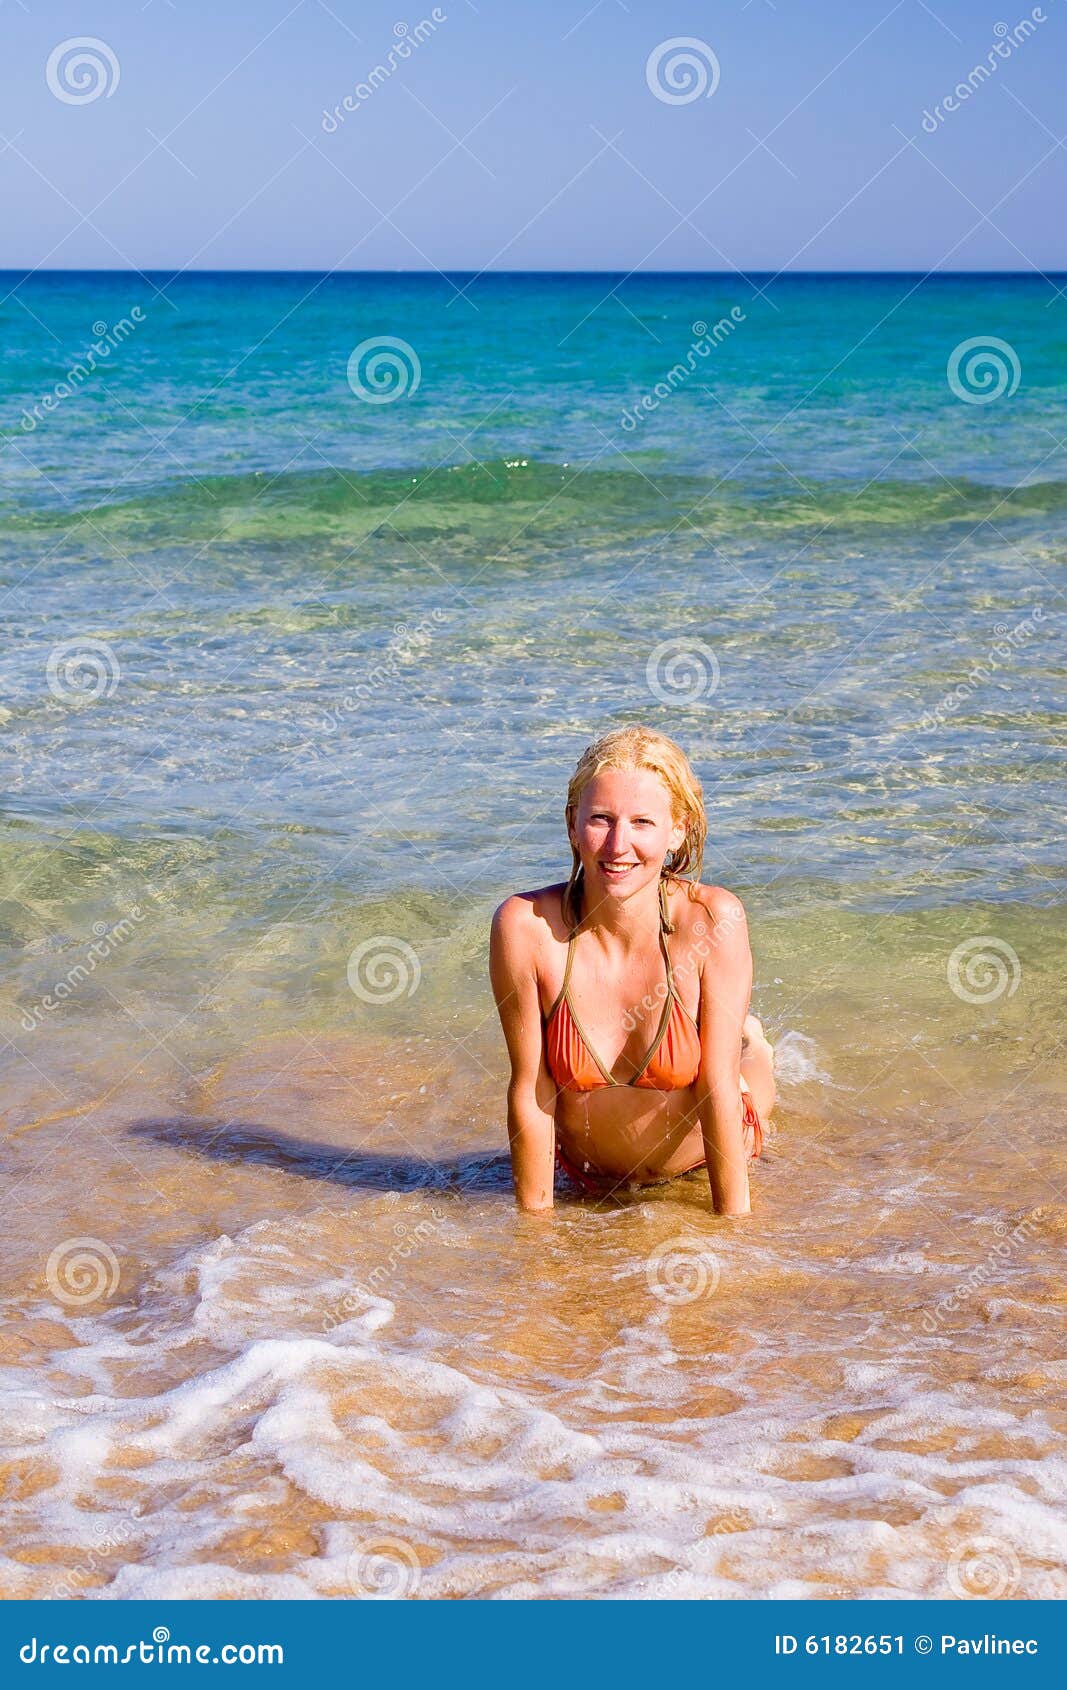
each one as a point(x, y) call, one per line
point(361, 1170)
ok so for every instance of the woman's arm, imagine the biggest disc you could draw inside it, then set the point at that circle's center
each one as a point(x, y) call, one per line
point(725, 990)
point(531, 1093)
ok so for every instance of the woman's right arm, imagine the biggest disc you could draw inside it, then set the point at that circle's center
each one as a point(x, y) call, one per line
point(531, 1092)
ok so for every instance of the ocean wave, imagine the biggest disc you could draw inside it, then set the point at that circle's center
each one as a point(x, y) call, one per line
point(225, 1439)
point(565, 501)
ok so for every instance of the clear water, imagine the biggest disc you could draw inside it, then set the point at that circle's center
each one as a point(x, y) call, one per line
point(352, 653)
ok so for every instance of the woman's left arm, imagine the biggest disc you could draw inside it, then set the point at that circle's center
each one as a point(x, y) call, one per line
point(725, 990)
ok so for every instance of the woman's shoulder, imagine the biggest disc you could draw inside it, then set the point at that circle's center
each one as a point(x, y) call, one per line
point(697, 901)
point(531, 914)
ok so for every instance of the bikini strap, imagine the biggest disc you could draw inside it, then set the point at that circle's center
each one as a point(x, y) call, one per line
point(572, 927)
point(560, 995)
point(570, 959)
point(671, 987)
point(664, 926)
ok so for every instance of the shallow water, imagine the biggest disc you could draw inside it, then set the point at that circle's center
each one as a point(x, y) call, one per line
point(272, 1322)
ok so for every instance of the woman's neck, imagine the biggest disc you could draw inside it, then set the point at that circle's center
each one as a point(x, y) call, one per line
point(626, 921)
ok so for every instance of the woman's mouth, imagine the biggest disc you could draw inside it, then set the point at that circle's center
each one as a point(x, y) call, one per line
point(617, 871)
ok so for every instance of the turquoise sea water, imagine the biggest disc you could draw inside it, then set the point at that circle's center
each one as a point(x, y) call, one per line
point(291, 670)
point(360, 645)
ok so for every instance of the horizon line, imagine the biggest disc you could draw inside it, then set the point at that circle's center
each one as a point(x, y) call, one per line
point(176, 272)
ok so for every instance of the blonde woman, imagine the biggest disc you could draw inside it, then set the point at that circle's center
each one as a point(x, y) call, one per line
point(623, 994)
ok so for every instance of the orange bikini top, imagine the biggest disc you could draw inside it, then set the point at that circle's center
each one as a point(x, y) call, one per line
point(672, 1063)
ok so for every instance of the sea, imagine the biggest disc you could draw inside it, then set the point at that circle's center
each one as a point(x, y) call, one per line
point(314, 588)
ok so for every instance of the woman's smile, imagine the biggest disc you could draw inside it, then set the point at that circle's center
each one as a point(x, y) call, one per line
point(617, 871)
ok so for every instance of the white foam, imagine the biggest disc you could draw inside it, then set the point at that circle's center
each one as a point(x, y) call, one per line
point(204, 1582)
point(536, 1486)
point(795, 1061)
point(909, 1262)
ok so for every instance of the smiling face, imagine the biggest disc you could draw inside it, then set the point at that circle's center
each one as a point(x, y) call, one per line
point(623, 830)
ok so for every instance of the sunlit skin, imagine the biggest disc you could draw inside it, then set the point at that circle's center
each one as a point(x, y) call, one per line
point(623, 830)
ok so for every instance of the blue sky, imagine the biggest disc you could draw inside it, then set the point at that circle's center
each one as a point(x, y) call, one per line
point(525, 136)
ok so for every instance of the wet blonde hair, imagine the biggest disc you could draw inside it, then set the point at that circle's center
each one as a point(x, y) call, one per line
point(641, 748)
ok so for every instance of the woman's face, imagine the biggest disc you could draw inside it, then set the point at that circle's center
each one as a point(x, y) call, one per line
point(623, 830)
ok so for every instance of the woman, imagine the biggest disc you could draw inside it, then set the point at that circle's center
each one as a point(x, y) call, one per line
point(632, 1060)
